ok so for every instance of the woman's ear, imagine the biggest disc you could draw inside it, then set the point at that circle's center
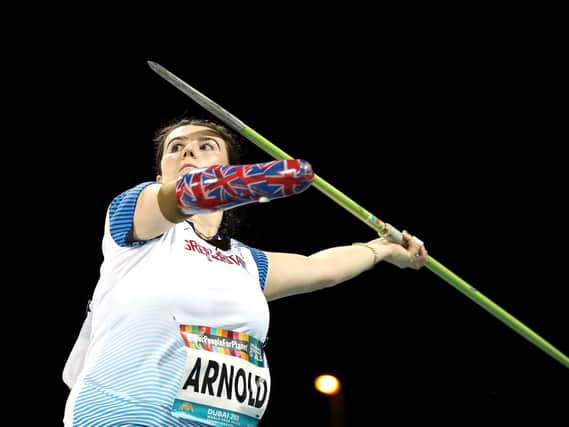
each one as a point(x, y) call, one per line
point(159, 178)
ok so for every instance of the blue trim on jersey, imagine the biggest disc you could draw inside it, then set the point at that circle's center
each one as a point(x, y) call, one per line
point(121, 215)
point(262, 263)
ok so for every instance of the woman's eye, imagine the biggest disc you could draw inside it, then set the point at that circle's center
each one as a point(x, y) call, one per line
point(207, 145)
point(175, 148)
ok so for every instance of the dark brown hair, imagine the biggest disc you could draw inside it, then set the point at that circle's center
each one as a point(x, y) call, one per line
point(231, 217)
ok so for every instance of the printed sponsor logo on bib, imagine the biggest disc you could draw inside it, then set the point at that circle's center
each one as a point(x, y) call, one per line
point(226, 381)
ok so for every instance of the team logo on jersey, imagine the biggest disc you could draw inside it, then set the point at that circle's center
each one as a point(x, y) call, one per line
point(192, 245)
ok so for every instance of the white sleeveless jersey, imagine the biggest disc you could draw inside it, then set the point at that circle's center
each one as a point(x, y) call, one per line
point(134, 359)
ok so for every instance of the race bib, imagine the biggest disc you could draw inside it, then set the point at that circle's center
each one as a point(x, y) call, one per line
point(226, 381)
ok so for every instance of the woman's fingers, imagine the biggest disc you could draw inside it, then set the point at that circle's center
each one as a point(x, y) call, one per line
point(417, 253)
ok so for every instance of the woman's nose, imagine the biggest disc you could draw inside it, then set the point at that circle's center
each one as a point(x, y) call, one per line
point(188, 152)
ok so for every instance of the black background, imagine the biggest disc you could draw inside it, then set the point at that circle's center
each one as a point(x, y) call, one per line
point(444, 129)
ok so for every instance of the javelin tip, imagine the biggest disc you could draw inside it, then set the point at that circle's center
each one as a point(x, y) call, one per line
point(155, 66)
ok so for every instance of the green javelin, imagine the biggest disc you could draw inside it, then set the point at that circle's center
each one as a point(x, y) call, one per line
point(384, 229)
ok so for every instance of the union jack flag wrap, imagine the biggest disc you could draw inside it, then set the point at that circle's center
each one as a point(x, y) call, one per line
point(225, 187)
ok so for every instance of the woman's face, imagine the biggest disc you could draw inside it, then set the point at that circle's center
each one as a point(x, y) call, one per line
point(191, 147)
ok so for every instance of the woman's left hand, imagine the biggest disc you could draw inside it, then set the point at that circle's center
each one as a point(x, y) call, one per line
point(409, 255)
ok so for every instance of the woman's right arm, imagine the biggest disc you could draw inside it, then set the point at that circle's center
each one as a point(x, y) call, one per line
point(159, 206)
point(148, 219)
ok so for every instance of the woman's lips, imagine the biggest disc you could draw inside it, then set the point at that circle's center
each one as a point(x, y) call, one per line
point(187, 167)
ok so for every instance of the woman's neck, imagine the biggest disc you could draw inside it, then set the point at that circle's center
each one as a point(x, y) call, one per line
point(207, 225)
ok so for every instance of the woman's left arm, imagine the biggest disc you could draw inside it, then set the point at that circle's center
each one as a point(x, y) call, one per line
point(291, 274)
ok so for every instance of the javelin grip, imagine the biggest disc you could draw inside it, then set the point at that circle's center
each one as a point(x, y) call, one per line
point(224, 187)
point(394, 235)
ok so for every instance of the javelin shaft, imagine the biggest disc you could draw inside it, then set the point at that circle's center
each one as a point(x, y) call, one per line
point(384, 229)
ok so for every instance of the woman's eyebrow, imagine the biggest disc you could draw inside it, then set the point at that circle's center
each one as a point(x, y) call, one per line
point(207, 132)
point(197, 135)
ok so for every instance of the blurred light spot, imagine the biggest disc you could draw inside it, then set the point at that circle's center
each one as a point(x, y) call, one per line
point(327, 384)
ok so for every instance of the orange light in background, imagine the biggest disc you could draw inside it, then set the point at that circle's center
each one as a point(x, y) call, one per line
point(327, 384)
